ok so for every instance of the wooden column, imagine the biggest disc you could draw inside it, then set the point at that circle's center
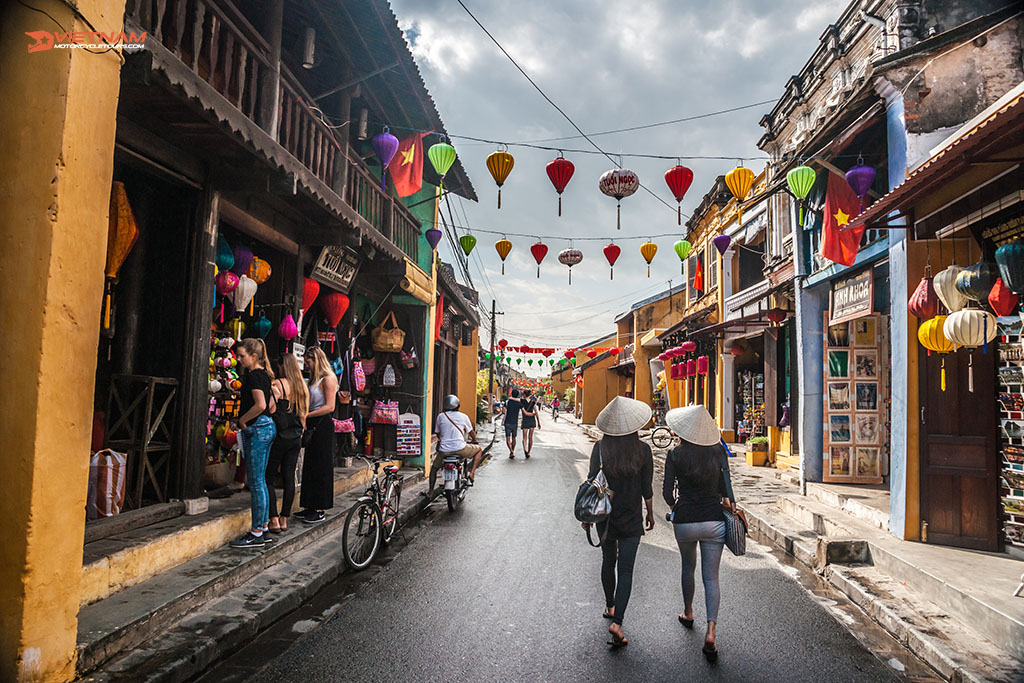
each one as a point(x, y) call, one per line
point(268, 116)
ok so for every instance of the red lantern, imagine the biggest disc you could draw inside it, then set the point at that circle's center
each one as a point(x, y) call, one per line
point(924, 302)
point(569, 353)
point(560, 172)
point(691, 368)
point(502, 343)
point(679, 179)
point(776, 315)
point(611, 252)
point(688, 346)
point(592, 353)
point(539, 251)
point(310, 290)
point(334, 304)
point(663, 356)
point(702, 365)
point(1001, 299)
point(547, 352)
point(614, 350)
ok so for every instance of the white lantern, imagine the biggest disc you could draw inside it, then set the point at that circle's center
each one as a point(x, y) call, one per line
point(945, 286)
point(970, 328)
point(244, 293)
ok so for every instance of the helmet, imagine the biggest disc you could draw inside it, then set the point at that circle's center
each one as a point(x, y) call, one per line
point(451, 402)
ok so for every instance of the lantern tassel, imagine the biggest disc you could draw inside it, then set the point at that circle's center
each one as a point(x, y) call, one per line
point(970, 374)
point(943, 374)
point(502, 267)
point(570, 276)
point(984, 334)
point(221, 312)
point(648, 270)
point(611, 273)
point(679, 213)
point(559, 205)
point(538, 271)
point(499, 197)
point(618, 216)
point(383, 180)
point(252, 307)
point(739, 216)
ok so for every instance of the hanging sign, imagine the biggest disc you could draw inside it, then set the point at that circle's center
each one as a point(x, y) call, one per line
point(336, 267)
point(852, 297)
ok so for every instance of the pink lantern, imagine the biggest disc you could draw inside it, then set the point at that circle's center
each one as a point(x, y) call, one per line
point(691, 368)
point(227, 282)
point(688, 346)
point(702, 365)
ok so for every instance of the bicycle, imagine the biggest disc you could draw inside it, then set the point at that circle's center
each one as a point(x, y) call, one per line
point(372, 521)
point(662, 437)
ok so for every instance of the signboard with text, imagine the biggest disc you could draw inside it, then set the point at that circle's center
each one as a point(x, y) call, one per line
point(336, 267)
point(852, 297)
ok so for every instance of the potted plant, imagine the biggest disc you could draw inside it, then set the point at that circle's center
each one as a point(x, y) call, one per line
point(757, 451)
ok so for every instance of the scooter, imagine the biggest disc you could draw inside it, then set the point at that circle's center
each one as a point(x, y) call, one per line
point(455, 472)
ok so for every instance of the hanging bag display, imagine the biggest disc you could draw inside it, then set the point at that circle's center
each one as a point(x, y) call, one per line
point(344, 426)
point(388, 375)
point(358, 376)
point(384, 413)
point(409, 360)
point(388, 339)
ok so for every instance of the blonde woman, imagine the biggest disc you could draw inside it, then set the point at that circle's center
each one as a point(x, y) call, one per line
point(256, 432)
point(317, 492)
point(292, 397)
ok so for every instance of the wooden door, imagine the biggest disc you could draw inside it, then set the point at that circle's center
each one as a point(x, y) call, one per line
point(959, 450)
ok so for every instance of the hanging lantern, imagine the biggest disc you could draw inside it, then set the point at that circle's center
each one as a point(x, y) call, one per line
point(502, 343)
point(225, 257)
point(736, 349)
point(924, 302)
point(243, 259)
point(215, 386)
point(702, 365)
point(592, 353)
point(1001, 299)
point(500, 164)
point(530, 362)
point(519, 361)
point(385, 146)
point(334, 305)
point(739, 180)
point(618, 183)
point(122, 232)
point(287, 330)
point(433, 236)
point(259, 270)
point(263, 325)
point(682, 248)
point(1010, 258)
point(310, 291)
point(860, 179)
point(442, 156)
point(776, 315)
point(539, 251)
point(691, 368)
point(976, 281)
point(688, 346)
point(971, 328)
point(722, 243)
point(570, 353)
point(227, 282)
point(560, 173)
point(663, 356)
point(611, 253)
point(237, 327)
point(503, 247)
point(547, 352)
point(801, 180)
point(244, 294)
point(648, 250)
point(570, 257)
point(467, 242)
point(945, 287)
point(933, 338)
point(679, 178)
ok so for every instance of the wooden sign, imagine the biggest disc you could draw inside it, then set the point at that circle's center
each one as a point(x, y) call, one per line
point(852, 297)
point(336, 267)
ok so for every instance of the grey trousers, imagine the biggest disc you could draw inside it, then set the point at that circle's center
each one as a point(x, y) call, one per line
point(711, 537)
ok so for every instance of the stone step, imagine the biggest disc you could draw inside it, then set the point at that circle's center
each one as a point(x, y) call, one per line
point(822, 522)
point(131, 616)
point(850, 504)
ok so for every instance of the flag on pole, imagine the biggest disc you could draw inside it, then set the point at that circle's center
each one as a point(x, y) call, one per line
point(407, 165)
point(838, 243)
point(698, 277)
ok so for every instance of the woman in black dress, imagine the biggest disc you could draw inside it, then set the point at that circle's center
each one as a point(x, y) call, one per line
point(629, 468)
point(529, 422)
point(317, 492)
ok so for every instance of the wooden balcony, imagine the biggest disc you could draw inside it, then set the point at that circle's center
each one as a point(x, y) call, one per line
point(220, 48)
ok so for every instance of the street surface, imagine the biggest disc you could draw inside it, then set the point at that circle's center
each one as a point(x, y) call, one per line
point(507, 589)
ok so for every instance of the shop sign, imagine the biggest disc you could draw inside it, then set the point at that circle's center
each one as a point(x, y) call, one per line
point(852, 297)
point(299, 351)
point(336, 267)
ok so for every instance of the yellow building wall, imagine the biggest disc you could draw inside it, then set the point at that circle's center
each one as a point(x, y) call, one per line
point(57, 132)
point(600, 386)
point(468, 362)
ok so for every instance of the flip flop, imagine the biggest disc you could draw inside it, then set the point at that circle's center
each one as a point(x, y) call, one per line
point(608, 616)
point(688, 623)
point(616, 642)
point(710, 654)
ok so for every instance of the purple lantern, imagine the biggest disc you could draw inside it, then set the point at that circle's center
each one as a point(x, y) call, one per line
point(722, 243)
point(861, 178)
point(433, 237)
point(385, 145)
point(243, 259)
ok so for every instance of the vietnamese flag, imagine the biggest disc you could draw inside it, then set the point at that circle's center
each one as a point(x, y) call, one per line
point(407, 165)
point(698, 277)
point(839, 244)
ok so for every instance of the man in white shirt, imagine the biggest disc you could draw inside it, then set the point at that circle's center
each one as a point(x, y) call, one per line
point(455, 433)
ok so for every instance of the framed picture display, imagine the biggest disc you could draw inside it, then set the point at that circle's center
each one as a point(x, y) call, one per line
point(839, 396)
point(866, 396)
point(840, 429)
point(839, 335)
point(865, 332)
point(839, 461)
point(838, 363)
point(865, 364)
point(868, 461)
point(866, 428)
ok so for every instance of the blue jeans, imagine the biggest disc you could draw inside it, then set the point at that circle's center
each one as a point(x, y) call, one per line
point(256, 441)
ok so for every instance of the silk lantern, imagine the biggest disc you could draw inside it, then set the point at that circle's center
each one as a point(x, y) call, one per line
point(924, 303)
point(739, 180)
point(722, 243)
point(702, 365)
point(334, 305)
point(226, 283)
point(243, 259)
point(225, 258)
point(570, 257)
point(442, 156)
point(259, 270)
point(933, 338)
point(592, 353)
point(1001, 299)
point(502, 344)
point(467, 242)
point(801, 180)
point(560, 173)
point(975, 282)
point(385, 146)
point(970, 328)
point(433, 236)
point(679, 178)
point(691, 368)
point(287, 330)
point(244, 294)
point(860, 178)
point(682, 249)
point(503, 247)
point(688, 346)
point(122, 233)
point(310, 291)
point(1010, 258)
point(500, 164)
point(648, 250)
point(539, 251)
point(263, 325)
point(618, 183)
point(611, 254)
point(945, 287)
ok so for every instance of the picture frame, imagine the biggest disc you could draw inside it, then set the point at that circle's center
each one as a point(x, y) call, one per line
point(865, 332)
point(868, 461)
point(839, 335)
point(838, 366)
point(839, 396)
point(840, 429)
point(866, 428)
point(865, 364)
point(866, 396)
point(839, 461)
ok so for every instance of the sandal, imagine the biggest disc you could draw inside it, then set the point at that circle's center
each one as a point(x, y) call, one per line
point(710, 653)
point(688, 623)
point(607, 614)
point(618, 641)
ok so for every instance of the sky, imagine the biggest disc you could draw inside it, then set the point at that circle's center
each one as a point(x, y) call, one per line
point(608, 66)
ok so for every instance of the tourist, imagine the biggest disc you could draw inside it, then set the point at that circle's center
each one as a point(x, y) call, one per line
point(292, 397)
point(530, 421)
point(317, 494)
point(512, 407)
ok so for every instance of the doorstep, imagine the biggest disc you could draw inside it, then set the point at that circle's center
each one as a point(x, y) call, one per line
point(130, 619)
point(126, 559)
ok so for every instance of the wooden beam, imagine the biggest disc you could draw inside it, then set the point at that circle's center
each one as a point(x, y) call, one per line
point(254, 227)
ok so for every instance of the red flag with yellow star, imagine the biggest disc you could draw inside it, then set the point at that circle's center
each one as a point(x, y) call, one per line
point(406, 167)
point(838, 243)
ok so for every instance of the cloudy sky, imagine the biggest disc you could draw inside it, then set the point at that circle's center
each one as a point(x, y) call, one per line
point(608, 65)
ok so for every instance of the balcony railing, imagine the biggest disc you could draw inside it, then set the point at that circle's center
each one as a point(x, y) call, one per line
point(391, 218)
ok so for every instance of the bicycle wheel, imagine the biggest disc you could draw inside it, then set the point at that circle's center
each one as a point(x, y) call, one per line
point(362, 535)
point(662, 437)
point(392, 499)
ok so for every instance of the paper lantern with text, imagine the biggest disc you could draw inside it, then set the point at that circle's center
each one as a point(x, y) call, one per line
point(618, 183)
point(570, 257)
point(500, 164)
point(945, 288)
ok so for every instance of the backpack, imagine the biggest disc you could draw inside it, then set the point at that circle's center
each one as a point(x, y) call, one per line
point(594, 500)
point(289, 426)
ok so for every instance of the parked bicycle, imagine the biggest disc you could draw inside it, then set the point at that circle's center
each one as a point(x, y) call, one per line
point(374, 518)
point(662, 437)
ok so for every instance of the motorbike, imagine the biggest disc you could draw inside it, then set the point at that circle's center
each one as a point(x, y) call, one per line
point(455, 472)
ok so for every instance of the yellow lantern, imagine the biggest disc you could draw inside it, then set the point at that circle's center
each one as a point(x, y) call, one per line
point(648, 250)
point(933, 338)
point(500, 164)
point(739, 180)
point(503, 247)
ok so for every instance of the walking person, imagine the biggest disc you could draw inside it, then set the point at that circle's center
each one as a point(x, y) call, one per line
point(256, 432)
point(531, 421)
point(292, 398)
point(317, 493)
point(696, 489)
point(512, 407)
point(629, 468)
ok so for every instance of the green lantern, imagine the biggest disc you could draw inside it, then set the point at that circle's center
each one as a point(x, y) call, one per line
point(800, 181)
point(551, 361)
point(467, 242)
point(442, 156)
point(519, 361)
point(530, 362)
point(487, 356)
point(682, 248)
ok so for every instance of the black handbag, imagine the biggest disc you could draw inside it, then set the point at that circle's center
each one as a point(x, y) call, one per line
point(735, 532)
point(594, 501)
point(289, 426)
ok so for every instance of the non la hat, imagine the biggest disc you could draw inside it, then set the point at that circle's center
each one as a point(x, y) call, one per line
point(694, 424)
point(623, 416)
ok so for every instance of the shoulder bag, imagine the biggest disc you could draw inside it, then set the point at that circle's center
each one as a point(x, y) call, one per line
point(289, 426)
point(594, 501)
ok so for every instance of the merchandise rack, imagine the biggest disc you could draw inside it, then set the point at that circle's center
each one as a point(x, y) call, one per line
point(1011, 429)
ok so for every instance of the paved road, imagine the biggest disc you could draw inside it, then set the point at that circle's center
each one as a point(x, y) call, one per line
point(506, 589)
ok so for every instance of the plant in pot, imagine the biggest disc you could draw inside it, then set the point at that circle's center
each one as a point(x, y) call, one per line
point(757, 451)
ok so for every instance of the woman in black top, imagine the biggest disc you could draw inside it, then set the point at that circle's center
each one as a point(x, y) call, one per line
point(629, 468)
point(696, 488)
point(529, 422)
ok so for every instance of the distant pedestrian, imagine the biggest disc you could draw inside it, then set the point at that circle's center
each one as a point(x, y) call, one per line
point(629, 468)
point(695, 469)
point(317, 494)
point(512, 407)
point(531, 421)
point(554, 407)
point(256, 432)
point(292, 397)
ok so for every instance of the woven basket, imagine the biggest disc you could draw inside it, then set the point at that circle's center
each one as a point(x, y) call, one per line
point(388, 339)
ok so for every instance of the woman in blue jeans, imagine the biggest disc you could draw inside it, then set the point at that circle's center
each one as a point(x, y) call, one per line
point(696, 488)
point(256, 431)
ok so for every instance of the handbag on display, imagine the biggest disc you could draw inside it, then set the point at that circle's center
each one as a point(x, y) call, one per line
point(344, 397)
point(384, 413)
point(369, 366)
point(736, 532)
point(409, 360)
point(388, 339)
point(358, 376)
point(389, 376)
point(338, 365)
point(344, 426)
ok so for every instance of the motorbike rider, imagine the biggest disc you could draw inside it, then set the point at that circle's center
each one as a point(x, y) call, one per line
point(456, 436)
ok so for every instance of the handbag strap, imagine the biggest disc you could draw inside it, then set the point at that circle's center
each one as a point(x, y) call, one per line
point(390, 316)
point(601, 538)
point(464, 435)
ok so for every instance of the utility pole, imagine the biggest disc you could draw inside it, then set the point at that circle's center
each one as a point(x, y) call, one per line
point(490, 364)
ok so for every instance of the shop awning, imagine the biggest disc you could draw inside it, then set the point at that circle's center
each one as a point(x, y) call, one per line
point(748, 323)
point(697, 315)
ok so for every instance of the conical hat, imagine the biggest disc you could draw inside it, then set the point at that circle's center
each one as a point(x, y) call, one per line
point(623, 416)
point(694, 424)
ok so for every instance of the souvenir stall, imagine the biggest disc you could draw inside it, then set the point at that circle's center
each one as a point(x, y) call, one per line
point(748, 355)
